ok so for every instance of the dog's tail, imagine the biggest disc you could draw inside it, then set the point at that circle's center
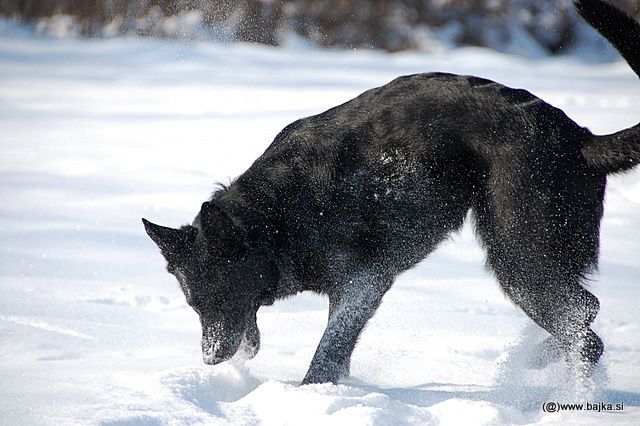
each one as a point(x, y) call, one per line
point(620, 151)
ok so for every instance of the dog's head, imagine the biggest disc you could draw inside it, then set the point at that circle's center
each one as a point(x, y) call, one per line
point(223, 279)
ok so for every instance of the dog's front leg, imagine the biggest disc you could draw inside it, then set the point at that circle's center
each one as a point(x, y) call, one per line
point(349, 311)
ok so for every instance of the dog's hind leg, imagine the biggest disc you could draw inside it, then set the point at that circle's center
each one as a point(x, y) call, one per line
point(350, 309)
point(565, 309)
point(540, 262)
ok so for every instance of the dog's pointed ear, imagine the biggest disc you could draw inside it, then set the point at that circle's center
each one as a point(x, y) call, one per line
point(170, 241)
point(223, 236)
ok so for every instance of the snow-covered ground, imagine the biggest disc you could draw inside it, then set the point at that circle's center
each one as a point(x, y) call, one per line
point(96, 134)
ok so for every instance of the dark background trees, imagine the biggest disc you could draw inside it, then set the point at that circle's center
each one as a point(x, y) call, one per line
point(388, 24)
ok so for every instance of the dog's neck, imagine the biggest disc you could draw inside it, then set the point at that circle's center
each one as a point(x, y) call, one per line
point(255, 211)
point(251, 218)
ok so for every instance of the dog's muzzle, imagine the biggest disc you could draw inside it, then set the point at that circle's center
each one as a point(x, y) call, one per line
point(219, 345)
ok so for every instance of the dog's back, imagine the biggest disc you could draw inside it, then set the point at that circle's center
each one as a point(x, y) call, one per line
point(385, 177)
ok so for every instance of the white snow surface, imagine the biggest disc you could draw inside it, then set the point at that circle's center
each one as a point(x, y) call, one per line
point(96, 134)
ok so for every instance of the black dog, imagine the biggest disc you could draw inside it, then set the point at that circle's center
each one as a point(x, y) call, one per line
point(344, 201)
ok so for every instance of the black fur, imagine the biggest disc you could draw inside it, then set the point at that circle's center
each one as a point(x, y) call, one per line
point(344, 201)
point(619, 151)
